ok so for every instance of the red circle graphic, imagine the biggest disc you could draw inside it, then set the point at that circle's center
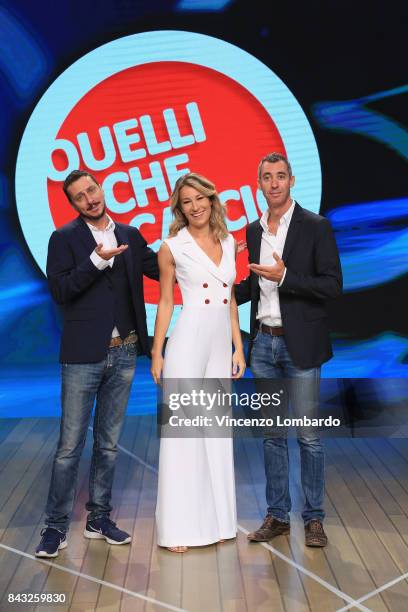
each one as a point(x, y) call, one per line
point(236, 133)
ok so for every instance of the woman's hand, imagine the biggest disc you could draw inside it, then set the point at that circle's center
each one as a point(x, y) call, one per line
point(156, 368)
point(238, 364)
point(241, 246)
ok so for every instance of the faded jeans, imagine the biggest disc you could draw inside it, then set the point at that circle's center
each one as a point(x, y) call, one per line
point(108, 382)
point(270, 359)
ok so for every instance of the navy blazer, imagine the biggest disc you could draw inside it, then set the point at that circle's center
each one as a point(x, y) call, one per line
point(313, 274)
point(85, 293)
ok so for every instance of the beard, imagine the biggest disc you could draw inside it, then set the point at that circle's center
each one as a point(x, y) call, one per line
point(93, 217)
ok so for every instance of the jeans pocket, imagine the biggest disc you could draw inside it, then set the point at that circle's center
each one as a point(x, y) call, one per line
point(255, 338)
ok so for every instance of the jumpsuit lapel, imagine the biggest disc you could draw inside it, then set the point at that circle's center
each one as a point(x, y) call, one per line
point(192, 250)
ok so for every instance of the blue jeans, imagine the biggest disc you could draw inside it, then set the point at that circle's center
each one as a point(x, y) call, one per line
point(109, 383)
point(270, 359)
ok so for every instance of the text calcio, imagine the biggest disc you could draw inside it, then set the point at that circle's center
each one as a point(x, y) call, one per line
point(135, 140)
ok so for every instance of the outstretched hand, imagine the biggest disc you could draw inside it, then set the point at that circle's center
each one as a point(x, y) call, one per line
point(272, 273)
point(241, 246)
point(109, 253)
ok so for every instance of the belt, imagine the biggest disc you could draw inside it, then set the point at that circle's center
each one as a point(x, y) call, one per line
point(271, 331)
point(117, 341)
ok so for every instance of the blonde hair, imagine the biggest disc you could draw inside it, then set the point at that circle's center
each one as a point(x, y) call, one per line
point(206, 188)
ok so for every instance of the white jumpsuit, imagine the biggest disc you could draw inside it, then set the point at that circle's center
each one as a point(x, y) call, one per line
point(196, 490)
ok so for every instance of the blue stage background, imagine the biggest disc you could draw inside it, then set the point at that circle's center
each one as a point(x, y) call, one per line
point(342, 61)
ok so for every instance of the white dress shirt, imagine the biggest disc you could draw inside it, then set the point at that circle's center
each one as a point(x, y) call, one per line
point(107, 238)
point(268, 306)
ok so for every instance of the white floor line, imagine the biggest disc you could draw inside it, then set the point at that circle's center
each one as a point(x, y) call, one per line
point(376, 591)
point(303, 570)
point(92, 579)
point(300, 568)
point(138, 459)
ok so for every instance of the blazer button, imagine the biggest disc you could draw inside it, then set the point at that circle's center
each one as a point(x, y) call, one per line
point(205, 285)
point(207, 301)
point(224, 285)
point(225, 301)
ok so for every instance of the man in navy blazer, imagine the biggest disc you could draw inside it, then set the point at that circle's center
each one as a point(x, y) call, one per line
point(95, 271)
point(295, 268)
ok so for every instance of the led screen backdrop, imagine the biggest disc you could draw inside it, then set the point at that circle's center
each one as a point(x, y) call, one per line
point(140, 93)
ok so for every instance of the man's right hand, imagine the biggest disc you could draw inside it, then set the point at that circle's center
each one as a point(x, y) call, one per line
point(109, 253)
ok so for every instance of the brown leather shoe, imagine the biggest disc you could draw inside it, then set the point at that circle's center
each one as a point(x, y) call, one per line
point(270, 528)
point(314, 534)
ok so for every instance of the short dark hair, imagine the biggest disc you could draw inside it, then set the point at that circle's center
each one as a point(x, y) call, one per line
point(272, 158)
point(73, 176)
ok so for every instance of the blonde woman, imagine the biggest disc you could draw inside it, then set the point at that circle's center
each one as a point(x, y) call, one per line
point(196, 493)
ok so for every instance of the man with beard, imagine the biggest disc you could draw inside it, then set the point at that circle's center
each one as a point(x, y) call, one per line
point(95, 272)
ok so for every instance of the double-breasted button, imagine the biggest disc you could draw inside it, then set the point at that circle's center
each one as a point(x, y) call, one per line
point(224, 285)
point(205, 285)
point(225, 301)
point(207, 301)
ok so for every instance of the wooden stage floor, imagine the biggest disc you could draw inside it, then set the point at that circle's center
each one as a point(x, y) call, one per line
point(364, 567)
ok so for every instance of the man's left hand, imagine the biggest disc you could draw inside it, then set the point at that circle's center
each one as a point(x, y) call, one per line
point(272, 273)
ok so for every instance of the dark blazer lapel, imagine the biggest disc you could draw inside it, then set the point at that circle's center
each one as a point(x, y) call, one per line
point(257, 238)
point(293, 231)
point(85, 235)
point(122, 238)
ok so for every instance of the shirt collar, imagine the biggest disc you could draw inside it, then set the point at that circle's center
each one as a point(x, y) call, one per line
point(109, 228)
point(286, 218)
